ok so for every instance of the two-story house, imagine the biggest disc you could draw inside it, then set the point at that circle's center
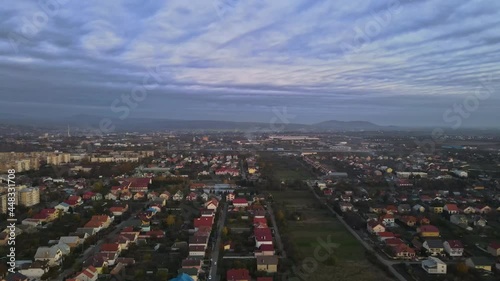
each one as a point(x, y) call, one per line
point(454, 248)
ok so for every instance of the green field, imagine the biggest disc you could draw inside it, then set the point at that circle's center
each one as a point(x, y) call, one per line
point(316, 224)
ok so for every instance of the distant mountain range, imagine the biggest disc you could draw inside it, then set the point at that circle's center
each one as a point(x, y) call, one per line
point(149, 124)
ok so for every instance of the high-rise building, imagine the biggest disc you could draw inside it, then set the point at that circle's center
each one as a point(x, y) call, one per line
point(4, 202)
point(29, 196)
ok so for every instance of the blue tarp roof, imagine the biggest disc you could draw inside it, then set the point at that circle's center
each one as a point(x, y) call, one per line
point(182, 277)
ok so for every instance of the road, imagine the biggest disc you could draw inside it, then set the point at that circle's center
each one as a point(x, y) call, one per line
point(386, 262)
point(216, 247)
point(277, 235)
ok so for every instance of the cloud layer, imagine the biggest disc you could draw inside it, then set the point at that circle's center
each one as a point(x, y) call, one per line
point(401, 62)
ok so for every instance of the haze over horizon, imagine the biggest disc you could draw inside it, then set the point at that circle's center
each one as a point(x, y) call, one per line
point(402, 63)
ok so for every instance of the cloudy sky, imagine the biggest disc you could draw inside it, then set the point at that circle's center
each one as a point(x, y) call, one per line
point(398, 62)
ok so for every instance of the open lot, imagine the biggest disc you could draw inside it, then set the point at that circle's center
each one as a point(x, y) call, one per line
point(284, 168)
point(318, 224)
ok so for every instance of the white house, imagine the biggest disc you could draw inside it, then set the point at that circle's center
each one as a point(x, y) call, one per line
point(434, 265)
point(52, 255)
point(34, 270)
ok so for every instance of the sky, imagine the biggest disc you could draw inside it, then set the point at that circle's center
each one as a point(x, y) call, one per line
point(391, 62)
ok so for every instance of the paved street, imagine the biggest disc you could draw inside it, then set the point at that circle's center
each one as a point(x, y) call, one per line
point(216, 247)
point(277, 235)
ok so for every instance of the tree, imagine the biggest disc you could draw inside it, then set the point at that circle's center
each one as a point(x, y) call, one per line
point(139, 274)
point(3, 269)
point(225, 231)
point(280, 215)
point(98, 187)
point(462, 268)
point(170, 220)
point(162, 275)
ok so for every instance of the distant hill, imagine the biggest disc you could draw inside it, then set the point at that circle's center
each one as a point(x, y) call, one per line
point(84, 121)
point(347, 125)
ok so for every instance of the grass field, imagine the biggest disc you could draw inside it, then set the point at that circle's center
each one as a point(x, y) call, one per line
point(318, 224)
point(284, 168)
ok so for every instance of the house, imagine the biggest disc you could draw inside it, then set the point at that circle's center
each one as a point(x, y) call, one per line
point(240, 203)
point(265, 250)
point(434, 265)
point(192, 262)
point(228, 246)
point(192, 196)
point(494, 249)
point(97, 197)
point(137, 184)
point(111, 196)
point(195, 250)
point(393, 241)
point(88, 195)
point(481, 263)
point(469, 210)
point(71, 241)
point(388, 220)
point(268, 264)
point(207, 213)
point(204, 196)
point(375, 227)
point(391, 209)
point(328, 192)
point(451, 209)
point(212, 204)
point(35, 270)
point(434, 247)
point(126, 195)
point(403, 251)
point(428, 231)
point(17, 276)
point(404, 208)
point(382, 236)
point(479, 221)
point(459, 219)
point(165, 195)
point(88, 274)
point(139, 196)
point(263, 236)
point(203, 222)
point(454, 248)
point(346, 206)
point(418, 208)
point(238, 275)
point(259, 222)
point(47, 215)
point(230, 197)
point(483, 209)
point(62, 207)
point(178, 196)
point(99, 222)
point(437, 209)
point(410, 221)
point(110, 248)
point(375, 209)
point(118, 210)
point(52, 255)
point(152, 195)
point(99, 262)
